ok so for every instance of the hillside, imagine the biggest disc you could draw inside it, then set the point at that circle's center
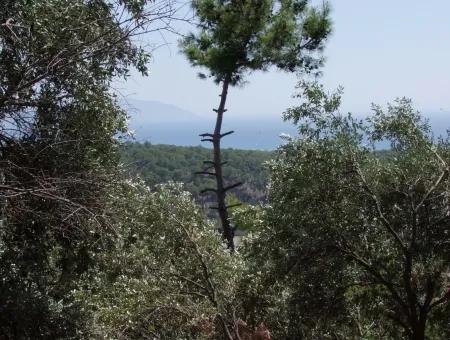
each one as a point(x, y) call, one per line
point(162, 163)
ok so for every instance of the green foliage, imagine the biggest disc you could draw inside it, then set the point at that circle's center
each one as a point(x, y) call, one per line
point(58, 149)
point(246, 217)
point(236, 37)
point(168, 276)
point(157, 164)
point(355, 244)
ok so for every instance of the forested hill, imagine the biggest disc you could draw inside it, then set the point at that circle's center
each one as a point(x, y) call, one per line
point(162, 163)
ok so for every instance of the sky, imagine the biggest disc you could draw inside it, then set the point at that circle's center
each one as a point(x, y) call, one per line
point(379, 50)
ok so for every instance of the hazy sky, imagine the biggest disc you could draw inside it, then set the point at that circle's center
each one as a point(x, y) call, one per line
point(379, 50)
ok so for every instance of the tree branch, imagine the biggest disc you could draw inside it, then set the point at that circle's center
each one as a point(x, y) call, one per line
point(232, 186)
point(377, 204)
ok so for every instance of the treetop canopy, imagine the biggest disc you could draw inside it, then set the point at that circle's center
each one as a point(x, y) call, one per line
point(245, 35)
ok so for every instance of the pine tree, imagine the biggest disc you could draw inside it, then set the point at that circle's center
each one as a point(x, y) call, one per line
point(240, 36)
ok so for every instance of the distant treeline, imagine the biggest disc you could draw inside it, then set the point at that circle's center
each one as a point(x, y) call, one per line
point(157, 164)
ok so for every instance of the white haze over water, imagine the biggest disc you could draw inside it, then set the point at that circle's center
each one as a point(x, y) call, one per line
point(161, 123)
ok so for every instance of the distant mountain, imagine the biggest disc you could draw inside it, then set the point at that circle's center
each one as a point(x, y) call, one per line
point(144, 112)
point(161, 123)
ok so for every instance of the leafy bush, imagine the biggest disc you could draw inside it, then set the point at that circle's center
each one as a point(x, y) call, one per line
point(168, 276)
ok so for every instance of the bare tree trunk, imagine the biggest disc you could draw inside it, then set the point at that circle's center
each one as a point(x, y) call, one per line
point(418, 332)
point(217, 165)
point(227, 230)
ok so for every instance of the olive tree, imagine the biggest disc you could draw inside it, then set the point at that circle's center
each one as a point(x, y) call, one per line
point(357, 240)
point(59, 120)
point(168, 276)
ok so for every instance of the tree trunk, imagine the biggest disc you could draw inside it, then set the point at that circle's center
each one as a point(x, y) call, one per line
point(227, 230)
point(418, 332)
point(419, 327)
